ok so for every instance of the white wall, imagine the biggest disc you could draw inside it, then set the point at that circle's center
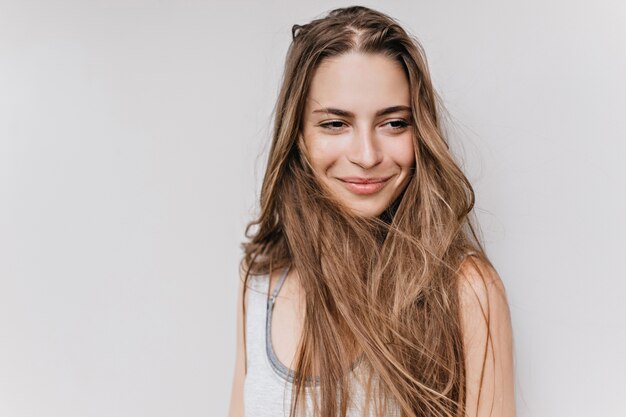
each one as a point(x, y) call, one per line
point(131, 148)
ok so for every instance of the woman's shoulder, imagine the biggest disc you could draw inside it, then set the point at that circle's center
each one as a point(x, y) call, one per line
point(483, 300)
point(487, 337)
point(258, 279)
point(484, 307)
point(257, 282)
point(263, 281)
point(480, 282)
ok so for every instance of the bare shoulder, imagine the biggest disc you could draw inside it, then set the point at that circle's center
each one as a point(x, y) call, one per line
point(487, 339)
point(484, 307)
point(480, 286)
point(243, 270)
point(236, 408)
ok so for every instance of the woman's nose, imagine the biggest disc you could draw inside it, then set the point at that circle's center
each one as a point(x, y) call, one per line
point(363, 149)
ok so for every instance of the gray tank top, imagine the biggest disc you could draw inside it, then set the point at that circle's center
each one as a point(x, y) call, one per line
point(268, 382)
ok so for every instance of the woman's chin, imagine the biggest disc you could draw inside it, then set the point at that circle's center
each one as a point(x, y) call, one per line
point(362, 210)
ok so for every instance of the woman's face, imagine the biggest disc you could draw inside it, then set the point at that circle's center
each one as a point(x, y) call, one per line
point(357, 130)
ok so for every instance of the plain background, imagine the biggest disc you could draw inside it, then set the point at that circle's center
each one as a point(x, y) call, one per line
point(133, 137)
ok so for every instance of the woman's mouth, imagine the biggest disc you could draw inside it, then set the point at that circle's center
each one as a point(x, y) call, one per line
point(364, 186)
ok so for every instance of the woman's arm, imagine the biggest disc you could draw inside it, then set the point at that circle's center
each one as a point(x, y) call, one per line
point(236, 397)
point(487, 338)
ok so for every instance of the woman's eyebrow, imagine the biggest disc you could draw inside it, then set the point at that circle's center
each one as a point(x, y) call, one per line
point(345, 113)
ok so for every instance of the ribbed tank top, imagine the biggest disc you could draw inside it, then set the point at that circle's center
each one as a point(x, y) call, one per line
point(268, 382)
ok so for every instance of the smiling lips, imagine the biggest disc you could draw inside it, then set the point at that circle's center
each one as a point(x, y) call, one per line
point(364, 186)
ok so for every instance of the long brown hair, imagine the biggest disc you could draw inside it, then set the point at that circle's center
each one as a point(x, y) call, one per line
point(385, 287)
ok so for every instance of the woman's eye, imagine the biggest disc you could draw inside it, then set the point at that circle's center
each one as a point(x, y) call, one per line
point(399, 124)
point(332, 125)
point(338, 124)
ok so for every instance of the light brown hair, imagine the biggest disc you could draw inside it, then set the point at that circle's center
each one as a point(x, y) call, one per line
point(384, 287)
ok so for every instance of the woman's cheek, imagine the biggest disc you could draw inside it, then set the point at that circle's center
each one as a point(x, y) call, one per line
point(326, 150)
point(403, 152)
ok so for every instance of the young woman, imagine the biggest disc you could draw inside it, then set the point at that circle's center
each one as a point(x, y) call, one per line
point(365, 291)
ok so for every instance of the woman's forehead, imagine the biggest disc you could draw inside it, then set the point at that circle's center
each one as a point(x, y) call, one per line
point(358, 83)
